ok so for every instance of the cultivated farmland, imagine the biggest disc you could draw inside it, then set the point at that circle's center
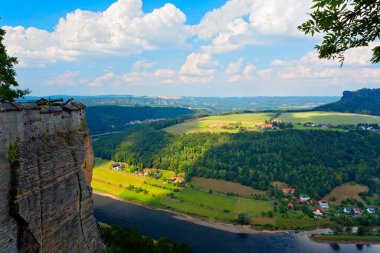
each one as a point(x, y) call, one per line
point(335, 118)
point(346, 191)
point(222, 123)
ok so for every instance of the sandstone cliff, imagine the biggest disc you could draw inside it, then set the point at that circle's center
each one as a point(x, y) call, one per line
point(46, 163)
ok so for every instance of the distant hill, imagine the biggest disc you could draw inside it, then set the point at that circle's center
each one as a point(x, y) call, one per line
point(102, 119)
point(364, 101)
point(204, 104)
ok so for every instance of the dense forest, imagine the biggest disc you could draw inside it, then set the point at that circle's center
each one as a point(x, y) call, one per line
point(101, 119)
point(365, 101)
point(122, 240)
point(312, 161)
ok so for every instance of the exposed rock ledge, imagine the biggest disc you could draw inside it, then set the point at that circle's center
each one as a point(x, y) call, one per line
point(46, 163)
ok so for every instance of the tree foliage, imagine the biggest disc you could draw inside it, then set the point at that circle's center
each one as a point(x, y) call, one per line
point(345, 24)
point(8, 74)
point(123, 240)
point(243, 219)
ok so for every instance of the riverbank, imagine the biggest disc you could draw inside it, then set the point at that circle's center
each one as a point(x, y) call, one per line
point(203, 202)
point(232, 228)
point(345, 238)
point(157, 224)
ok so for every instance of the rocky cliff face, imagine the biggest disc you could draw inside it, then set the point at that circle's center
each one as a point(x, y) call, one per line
point(46, 163)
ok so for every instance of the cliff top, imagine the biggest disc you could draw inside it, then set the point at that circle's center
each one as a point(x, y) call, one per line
point(69, 106)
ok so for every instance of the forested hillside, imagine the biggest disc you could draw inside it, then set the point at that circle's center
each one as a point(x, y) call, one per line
point(365, 101)
point(103, 119)
point(312, 161)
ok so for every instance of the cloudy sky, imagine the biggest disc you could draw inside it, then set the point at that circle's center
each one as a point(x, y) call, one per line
point(174, 48)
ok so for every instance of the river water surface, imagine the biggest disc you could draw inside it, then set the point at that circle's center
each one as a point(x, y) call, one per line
point(157, 224)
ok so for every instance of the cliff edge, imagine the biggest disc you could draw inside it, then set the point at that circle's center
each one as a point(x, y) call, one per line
point(364, 101)
point(46, 163)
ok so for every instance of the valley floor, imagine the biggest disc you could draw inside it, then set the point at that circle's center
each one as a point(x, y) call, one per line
point(214, 201)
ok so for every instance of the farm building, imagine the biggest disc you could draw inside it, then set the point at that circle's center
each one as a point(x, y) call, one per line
point(348, 210)
point(357, 211)
point(324, 203)
point(118, 166)
point(304, 197)
point(269, 126)
point(179, 180)
point(318, 211)
point(288, 191)
point(371, 210)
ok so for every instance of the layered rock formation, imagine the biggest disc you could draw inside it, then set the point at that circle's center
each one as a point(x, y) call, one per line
point(46, 163)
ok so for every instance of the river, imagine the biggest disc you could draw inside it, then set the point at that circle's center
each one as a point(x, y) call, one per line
point(157, 224)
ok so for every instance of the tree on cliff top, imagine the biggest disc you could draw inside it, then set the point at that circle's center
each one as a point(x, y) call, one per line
point(8, 74)
point(345, 24)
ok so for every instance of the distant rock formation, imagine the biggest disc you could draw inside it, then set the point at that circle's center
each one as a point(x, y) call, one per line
point(365, 101)
point(46, 163)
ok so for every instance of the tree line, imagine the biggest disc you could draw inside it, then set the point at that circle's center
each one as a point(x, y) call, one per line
point(312, 161)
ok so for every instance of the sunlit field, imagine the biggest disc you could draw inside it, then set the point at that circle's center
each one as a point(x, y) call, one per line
point(210, 199)
point(335, 118)
point(222, 123)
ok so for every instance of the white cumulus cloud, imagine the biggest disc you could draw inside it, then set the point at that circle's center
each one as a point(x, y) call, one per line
point(121, 30)
point(239, 23)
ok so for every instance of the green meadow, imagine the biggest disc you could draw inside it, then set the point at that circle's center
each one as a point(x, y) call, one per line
point(197, 201)
point(222, 123)
point(335, 118)
point(232, 123)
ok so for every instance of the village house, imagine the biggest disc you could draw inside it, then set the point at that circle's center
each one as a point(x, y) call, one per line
point(348, 210)
point(371, 210)
point(309, 124)
point(288, 191)
point(357, 211)
point(304, 198)
point(268, 126)
point(290, 206)
point(179, 180)
point(118, 166)
point(144, 172)
point(324, 204)
point(318, 211)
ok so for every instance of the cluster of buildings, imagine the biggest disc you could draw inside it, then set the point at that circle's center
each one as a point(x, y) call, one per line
point(357, 211)
point(118, 166)
point(311, 124)
point(367, 127)
point(322, 205)
point(149, 172)
point(269, 127)
point(319, 206)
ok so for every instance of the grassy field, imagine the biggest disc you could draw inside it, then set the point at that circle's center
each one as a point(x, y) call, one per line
point(335, 118)
point(195, 198)
point(345, 191)
point(157, 193)
point(279, 185)
point(345, 238)
point(221, 123)
point(223, 186)
point(252, 121)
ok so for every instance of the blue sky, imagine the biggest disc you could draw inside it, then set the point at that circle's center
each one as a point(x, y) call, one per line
point(174, 48)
